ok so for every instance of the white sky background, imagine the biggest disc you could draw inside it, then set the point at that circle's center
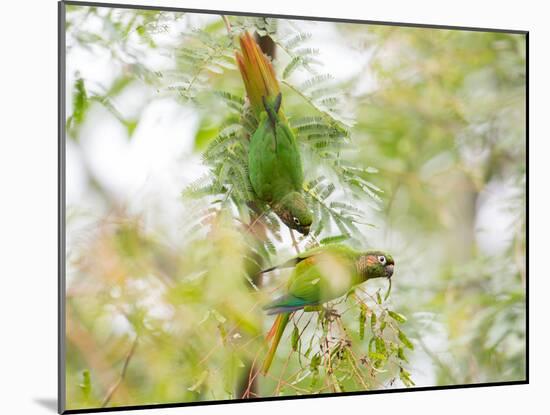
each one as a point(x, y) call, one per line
point(147, 173)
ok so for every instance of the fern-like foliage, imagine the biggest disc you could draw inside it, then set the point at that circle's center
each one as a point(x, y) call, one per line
point(202, 73)
point(203, 55)
point(83, 99)
point(321, 128)
point(317, 113)
point(263, 26)
point(228, 187)
point(300, 56)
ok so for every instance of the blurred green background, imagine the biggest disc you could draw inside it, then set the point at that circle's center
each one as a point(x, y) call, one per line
point(159, 303)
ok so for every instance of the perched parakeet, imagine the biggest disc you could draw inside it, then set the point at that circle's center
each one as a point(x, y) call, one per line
point(320, 275)
point(275, 168)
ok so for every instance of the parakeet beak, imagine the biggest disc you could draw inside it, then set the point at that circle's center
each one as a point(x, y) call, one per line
point(389, 270)
point(304, 230)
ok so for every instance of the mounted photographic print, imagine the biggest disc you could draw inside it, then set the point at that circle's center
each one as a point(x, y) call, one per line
point(257, 207)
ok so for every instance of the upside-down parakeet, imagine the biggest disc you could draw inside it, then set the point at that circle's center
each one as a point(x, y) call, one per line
point(320, 275)
point(275, 168)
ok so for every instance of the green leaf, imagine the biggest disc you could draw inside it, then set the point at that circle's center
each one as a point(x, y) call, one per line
point(362, 321)
point(196, 386)
point(377, 356)
point(292, 66)
point(334, 239)
point(204, 136)
point(380, 346)
point(401, 354)
point(315, 362)
point(235, 101)
point(371, 342)
point(295, 338)
point(80, 102)
point(219, 318)
point(327, 191)
point(400, 318)
point(86, 385)
point(130, 126)
point(119, 84)
point(405, 340)
point(373, 322)
point(296, 40)
point(405, 377)
point(314, 81)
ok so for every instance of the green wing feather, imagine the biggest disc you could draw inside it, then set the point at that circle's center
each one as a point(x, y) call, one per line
point(321, 274)
point(274, 162)
point(289, 156)
point(262, 160)
point(338, 250)
point(285, 304)
point(307, 283)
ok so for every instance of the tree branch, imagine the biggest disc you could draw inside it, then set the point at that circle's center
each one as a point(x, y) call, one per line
point(113, 388)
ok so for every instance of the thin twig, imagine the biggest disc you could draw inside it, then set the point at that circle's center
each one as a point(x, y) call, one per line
point(252, 375)
point(294, 243)
point(260, 216)
point(279, 384)
point(113, 388)
point(330, 118)
point(353, 359)
point(227, 24)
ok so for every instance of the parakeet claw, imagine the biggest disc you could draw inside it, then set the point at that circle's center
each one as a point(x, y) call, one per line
point(330, 314)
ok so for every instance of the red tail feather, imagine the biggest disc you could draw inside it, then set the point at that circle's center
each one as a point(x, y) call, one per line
point(276, 333)
point(273, 329)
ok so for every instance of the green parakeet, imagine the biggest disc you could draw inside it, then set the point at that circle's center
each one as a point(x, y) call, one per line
point(275, 168)
point(320, 275)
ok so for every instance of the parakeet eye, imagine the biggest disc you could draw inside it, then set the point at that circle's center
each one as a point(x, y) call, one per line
point(296, 220)
point(382, 259)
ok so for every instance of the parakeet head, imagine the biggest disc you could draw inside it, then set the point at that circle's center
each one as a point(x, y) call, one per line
point(375, 264)
point(294, 213)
